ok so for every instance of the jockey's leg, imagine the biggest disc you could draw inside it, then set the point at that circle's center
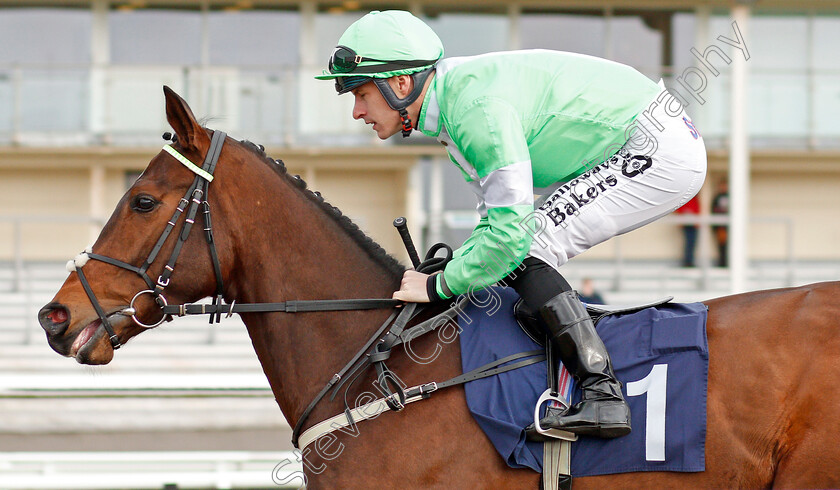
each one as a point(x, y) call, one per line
point(602, 412)
point(661, 167)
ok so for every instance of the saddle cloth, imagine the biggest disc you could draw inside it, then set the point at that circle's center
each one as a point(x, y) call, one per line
point(660, 355)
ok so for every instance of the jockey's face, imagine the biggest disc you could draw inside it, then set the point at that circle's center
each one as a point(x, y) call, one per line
point(370, 105)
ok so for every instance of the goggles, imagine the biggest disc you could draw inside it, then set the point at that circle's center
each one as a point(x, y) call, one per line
point(346, 84)
point(345, 60)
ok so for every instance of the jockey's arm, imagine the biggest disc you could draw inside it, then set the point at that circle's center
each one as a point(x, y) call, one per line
point(489, 133)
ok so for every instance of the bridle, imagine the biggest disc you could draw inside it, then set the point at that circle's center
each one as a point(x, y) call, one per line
point(375, 351)
point(195, 197)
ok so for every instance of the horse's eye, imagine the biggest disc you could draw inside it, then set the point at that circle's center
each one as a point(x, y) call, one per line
point(143, 203)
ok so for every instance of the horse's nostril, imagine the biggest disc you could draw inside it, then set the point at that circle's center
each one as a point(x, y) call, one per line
point(54, 318)
point(58, 315)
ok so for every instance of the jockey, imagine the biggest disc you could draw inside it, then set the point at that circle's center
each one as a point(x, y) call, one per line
point(606, 148)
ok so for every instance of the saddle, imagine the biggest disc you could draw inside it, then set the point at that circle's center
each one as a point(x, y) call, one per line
point(557, 444)
point(531, 323)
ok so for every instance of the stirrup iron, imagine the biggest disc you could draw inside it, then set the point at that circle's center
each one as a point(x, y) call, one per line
point(549, 432)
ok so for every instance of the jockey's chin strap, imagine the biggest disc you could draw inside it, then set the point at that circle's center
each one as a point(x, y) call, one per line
point(195, 197)
point(400, 105)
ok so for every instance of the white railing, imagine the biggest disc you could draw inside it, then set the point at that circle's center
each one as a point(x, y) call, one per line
point(145, 384)
point(641, 280)
point(274, 105)
point(17, 223)
point(26, 286)
point(123, 105)
point(150, 470)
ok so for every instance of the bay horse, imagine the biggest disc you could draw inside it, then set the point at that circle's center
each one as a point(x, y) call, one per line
point(773, 408)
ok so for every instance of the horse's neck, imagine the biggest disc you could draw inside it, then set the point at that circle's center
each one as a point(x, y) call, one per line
point(308, 256)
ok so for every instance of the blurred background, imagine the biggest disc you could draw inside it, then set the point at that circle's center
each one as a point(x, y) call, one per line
point(82, 113)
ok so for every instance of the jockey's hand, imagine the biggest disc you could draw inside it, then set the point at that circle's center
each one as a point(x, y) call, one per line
point(413, 288)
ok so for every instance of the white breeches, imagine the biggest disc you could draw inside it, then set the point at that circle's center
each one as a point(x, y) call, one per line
point(659, 169)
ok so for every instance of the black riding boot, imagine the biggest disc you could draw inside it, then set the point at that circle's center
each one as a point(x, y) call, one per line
point(602, 412)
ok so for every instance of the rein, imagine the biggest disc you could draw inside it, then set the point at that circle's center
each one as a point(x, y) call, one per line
point(195, 197)
point(376, 350)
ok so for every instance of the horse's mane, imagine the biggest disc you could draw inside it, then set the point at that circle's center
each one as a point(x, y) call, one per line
point(373, 249)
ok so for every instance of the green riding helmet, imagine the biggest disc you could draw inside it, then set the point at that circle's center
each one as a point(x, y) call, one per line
point(379, 46)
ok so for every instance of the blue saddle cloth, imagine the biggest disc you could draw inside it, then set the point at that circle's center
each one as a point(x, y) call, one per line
point(659, 354)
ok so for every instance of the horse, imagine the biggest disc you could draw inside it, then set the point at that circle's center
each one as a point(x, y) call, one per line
point(772, 413)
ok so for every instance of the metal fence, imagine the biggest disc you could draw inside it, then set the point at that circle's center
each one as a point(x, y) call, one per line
point(48, 105)
point(150, 470)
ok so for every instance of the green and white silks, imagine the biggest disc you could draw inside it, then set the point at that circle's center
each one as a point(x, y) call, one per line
point(513, 121)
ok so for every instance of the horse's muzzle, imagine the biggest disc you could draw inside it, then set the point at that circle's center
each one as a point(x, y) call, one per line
point(54, 319)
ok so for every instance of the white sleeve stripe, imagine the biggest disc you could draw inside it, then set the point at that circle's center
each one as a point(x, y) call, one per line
point(510, 185)
point(475, 186)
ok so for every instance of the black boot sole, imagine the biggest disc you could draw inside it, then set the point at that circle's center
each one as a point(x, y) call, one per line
point(608, 431)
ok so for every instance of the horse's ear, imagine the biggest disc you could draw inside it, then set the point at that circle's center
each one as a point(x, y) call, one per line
point(190, 134)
